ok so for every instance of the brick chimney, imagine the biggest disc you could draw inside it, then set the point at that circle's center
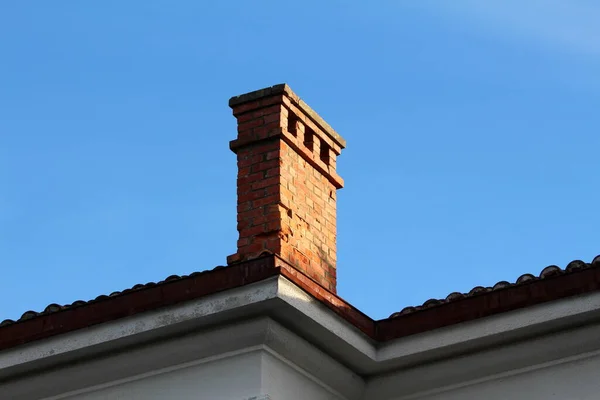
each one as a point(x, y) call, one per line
point(287, 182)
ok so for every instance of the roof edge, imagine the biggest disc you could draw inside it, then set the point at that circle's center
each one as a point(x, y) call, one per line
point(134, 301)
point(553, 285)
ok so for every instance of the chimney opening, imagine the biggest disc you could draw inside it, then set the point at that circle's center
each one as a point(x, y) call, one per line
point(309, 138)
point(292, 124)
point(324, 153)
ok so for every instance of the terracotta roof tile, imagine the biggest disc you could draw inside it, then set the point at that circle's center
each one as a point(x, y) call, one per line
point(552, 283)
point(548, 272)
point(58, 319)
point(53, 308)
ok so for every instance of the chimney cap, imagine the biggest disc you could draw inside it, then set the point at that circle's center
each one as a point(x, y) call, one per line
point(284, 89)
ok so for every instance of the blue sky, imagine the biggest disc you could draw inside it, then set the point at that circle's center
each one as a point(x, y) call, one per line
point(472, 130)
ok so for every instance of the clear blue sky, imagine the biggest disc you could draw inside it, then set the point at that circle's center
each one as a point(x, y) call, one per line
point(472, 129)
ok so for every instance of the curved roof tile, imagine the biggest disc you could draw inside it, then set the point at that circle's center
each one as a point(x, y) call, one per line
point(548, 272)
point(53, 308)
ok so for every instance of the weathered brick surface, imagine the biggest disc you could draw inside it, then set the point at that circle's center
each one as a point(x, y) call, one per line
point(287, 183)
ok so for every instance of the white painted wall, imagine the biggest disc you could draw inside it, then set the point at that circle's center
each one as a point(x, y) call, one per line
point(259, 373)
point(265, 374)
point(573, 380)
point(282, 380)
point(234, 377)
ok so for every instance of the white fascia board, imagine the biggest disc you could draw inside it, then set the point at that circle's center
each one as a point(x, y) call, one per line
point(183, 351)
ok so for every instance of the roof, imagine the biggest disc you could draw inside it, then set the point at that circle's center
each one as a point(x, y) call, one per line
point(552, 283)
point(547, 272)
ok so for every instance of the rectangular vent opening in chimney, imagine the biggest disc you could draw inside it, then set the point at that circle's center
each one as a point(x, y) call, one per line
point(292, 124)
point(324, 153)
point(309, 138)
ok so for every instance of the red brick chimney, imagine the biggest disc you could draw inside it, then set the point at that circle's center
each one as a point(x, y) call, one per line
point(286, 182)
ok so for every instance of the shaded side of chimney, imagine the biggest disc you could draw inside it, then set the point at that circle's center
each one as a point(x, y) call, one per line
point(286, 182)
